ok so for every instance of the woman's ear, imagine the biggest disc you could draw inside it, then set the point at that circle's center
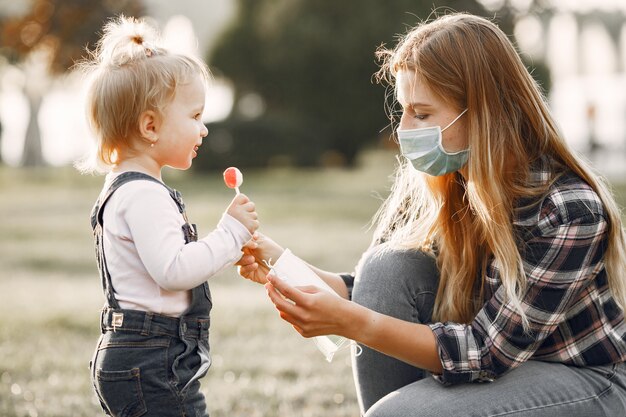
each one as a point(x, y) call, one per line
point(148, 126)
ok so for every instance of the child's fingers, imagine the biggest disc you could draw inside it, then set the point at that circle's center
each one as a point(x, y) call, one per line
point(240, 199)
point(249, 206)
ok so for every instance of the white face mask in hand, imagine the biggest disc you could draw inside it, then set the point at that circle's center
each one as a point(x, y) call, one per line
point(296, 273)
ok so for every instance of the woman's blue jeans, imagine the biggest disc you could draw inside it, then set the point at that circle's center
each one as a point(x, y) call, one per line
point(403, 284)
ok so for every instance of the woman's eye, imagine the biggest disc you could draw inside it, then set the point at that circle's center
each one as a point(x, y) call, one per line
point(421, 116)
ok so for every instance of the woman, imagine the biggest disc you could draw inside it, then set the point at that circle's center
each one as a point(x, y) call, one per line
point(498, 256)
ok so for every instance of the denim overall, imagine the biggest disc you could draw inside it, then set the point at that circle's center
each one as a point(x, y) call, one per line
point(147, 364)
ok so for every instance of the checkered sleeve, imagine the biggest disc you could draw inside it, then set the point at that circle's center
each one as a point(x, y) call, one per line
point(561, 256)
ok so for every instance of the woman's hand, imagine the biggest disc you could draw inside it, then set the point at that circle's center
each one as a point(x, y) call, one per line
point(314, 312)
point(249, 268)
point(310, 310)
point(251, 265)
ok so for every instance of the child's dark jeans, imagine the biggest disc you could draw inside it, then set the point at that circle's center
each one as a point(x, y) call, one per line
point(148, 365)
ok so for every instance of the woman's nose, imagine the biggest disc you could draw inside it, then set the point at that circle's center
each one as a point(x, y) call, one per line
point(405, 123)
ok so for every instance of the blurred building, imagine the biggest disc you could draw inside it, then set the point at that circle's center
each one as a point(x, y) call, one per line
point(586, 52)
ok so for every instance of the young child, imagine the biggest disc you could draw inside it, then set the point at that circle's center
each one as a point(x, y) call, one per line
point(145, 106)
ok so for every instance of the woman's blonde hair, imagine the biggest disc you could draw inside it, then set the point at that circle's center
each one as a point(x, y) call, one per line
point(469, 62)
point(128, 74)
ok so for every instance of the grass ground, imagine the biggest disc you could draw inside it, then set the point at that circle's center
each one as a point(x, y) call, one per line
point(50, 296)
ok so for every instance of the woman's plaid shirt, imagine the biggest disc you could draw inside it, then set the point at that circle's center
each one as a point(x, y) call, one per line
point(573, 317)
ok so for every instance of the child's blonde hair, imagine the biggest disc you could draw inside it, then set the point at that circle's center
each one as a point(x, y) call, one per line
point(129, 73)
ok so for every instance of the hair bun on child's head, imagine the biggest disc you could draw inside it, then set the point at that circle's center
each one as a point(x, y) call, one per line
point(138, 39)
point(126, 39)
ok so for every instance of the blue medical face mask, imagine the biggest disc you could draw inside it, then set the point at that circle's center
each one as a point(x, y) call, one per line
point(424, 149)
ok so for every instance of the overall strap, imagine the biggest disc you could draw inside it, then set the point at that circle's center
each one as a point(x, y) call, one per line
point(189, 230)
point(96, 215)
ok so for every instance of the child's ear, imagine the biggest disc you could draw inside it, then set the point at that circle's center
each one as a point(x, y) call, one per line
point(148, 126)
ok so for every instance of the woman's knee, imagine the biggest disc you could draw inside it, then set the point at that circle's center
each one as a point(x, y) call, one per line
point(392, 281)
point(410, 400)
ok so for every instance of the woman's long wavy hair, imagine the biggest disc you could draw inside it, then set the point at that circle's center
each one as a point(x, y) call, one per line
point(470, 63)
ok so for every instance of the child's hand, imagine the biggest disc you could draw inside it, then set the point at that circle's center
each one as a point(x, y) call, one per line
point(242, 209)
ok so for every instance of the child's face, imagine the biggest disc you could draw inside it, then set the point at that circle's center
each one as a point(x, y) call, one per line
point(181, 129)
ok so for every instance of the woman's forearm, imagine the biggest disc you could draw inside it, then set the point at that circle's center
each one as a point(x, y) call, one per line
point(332, 279)
point(412, 343)
point(315, 312)
point(409, 342)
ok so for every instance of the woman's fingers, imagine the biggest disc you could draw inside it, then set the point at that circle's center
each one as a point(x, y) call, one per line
point(278, 298)
point(292, 293)
point(246, 270)
point(246, 266)
point(309, 289)
point(246, 260)
point(300, 306)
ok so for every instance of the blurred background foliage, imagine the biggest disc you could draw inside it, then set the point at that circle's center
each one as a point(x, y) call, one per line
point(63, 27)
point(52, 35)
point(303, 74)
point(301, 70)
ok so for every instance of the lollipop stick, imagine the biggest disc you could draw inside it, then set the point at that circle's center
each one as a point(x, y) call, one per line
point(237, 190)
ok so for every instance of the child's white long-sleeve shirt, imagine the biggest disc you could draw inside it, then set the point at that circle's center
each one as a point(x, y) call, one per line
point(151, 267)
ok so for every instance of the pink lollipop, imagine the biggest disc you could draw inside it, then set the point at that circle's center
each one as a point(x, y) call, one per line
point(233, 178)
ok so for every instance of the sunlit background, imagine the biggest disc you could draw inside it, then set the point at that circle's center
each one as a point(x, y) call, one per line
point(293, 104)
point(187, 26)
point(582, 42)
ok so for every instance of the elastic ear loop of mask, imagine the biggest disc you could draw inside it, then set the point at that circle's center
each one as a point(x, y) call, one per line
point(355, 348)
point(455, 119)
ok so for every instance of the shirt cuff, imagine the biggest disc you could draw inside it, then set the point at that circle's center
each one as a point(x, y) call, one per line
point(454, 353)
point(239, 232)
point(348, 279)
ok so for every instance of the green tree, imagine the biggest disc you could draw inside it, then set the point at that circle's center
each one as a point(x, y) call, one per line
point(45, 40)
point(312, 62)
